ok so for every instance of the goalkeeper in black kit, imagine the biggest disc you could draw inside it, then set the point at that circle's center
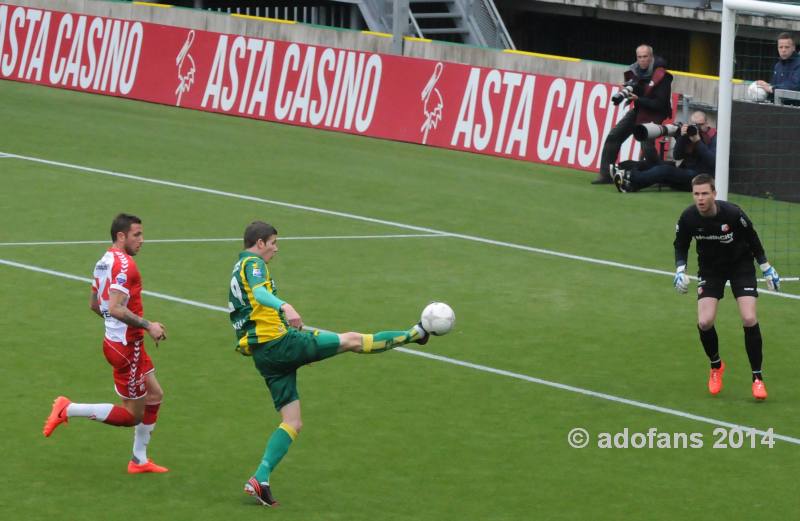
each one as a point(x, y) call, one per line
point(727, 243)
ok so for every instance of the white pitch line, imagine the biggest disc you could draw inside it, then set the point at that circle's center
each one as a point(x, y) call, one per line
point(367, 219)
point(234, 239)
point(461, 363)
point(595, 394)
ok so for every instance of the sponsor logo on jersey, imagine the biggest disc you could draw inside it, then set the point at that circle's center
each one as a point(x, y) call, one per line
point(724, 239)
point(743, 221)
point(257, 272)
point(101, 266)
point(122, 278)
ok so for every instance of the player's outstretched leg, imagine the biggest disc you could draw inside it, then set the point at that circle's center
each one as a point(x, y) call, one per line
point(386, 340)
point(63, 409)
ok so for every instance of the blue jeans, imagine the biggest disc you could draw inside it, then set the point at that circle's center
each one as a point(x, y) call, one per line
point(672, 176)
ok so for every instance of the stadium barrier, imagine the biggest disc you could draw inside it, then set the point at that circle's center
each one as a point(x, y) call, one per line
point(763, 162)
point(529, 116)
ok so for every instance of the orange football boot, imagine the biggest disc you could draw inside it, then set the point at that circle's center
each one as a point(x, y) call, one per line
point(759, 390)
point(58, 415)
point(136, 468)
point(715, 379)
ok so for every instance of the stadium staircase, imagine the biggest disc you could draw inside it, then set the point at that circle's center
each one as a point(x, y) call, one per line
point(473, 22)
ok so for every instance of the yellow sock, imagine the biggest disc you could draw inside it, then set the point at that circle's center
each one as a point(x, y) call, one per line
point(367, 343)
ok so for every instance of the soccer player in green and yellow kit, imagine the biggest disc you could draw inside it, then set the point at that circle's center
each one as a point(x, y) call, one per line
point(270, 330)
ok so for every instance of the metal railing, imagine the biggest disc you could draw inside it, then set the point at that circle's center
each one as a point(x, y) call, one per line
point(476, 22)
point(489, 24)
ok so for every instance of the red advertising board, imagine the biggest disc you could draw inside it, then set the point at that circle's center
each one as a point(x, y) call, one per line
point(532, 117)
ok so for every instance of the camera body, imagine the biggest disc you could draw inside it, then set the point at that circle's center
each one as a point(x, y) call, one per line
point(692, 130)
point(625, 93)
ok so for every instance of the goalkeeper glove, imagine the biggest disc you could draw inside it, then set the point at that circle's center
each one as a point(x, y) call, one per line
point(681, 280)
point(771, 276)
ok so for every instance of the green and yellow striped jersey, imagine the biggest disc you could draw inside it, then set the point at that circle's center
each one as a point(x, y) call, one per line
point(253, 322)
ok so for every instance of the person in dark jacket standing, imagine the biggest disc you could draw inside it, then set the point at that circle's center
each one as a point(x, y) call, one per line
point(648, 87)
point(786, 73)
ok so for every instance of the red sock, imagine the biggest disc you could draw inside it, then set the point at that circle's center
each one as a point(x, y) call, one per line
point(150, 413)
point(120, 417)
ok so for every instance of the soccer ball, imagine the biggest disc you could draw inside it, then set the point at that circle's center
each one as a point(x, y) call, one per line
point(438, 318)
point(756, 92)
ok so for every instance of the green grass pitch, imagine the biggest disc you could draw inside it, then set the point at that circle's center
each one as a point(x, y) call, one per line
point(387, 437)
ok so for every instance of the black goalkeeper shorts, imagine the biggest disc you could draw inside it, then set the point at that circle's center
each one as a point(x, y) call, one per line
point(712, 284)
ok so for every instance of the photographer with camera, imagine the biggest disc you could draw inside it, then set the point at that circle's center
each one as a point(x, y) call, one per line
point(648, 87)
point(695, 147)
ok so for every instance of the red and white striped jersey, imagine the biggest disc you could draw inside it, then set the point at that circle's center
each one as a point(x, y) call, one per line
point(117, 270)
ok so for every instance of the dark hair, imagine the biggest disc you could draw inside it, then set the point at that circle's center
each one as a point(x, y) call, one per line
point(785, 36)
point(122, 223)
point(258, 230)
point(704, 179)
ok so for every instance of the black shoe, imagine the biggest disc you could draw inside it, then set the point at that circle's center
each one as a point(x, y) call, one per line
point(261, 492)
point(426, 336)
point(621, 182)
point(622, 179)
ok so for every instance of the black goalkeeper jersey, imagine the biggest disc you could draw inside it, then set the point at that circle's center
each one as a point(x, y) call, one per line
point(726, 242)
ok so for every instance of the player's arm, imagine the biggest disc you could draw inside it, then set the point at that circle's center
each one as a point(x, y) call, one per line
point(94, 304)
point(265, 298)
point(256, 272)
point(683, 238)
point(753, 241)
point(118, 310)
point(757, 249)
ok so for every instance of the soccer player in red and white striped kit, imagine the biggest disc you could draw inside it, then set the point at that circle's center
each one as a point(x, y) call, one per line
point(117, 298)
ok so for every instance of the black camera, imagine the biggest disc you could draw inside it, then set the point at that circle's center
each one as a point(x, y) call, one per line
point(624, 93)
point(692, 130)
point(648, 131)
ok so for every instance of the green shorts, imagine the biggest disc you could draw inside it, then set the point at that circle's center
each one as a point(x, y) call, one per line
point(279, 360)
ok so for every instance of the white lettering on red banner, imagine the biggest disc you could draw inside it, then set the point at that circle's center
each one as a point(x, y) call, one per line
point(531, 117)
